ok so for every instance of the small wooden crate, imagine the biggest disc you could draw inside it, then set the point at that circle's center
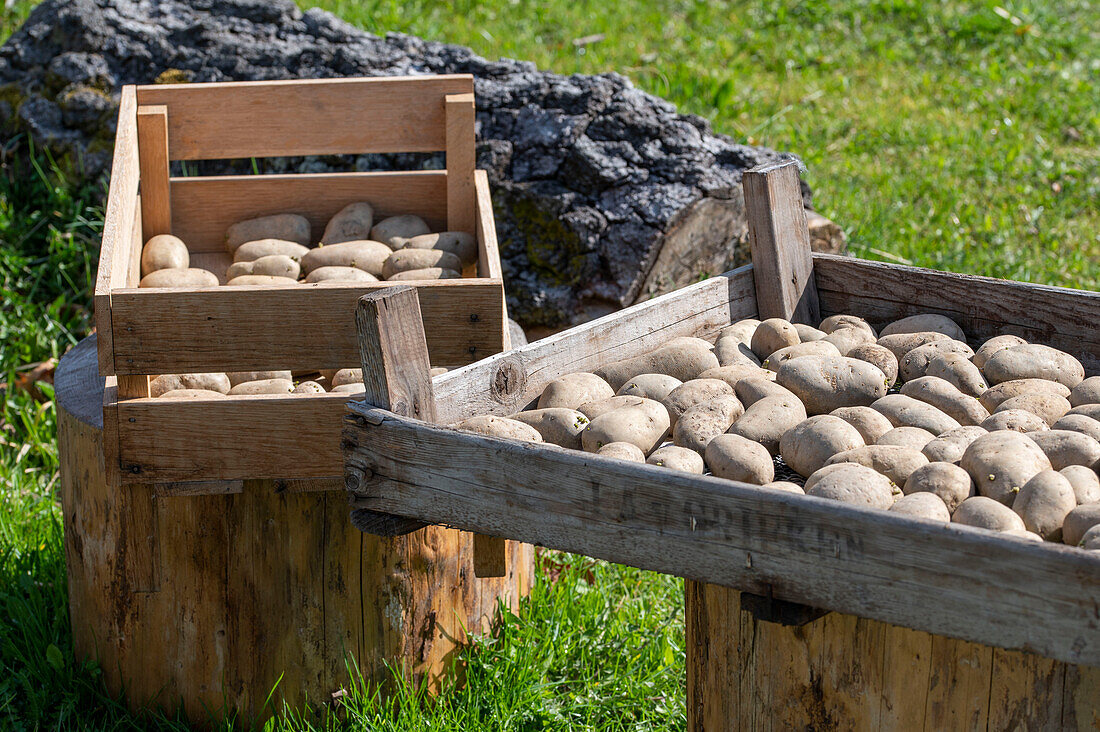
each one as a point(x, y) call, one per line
point(147, 332)
point(932, 626)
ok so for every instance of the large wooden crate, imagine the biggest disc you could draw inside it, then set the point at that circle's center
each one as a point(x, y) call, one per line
point(147, 332)
point(932, 626)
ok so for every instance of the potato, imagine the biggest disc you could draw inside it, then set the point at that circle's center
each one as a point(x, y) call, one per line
point(736, 458)
point(946, 397)
point(1088, 410)
point(274, 265)
point(263, 386)
point(261, 281)
point(914, 364)
point(825, 383)
point(822, 472)
point(1022, 534)
point(1000, 463)
point(950, 446)
point(870, 424)
point(1090, 540)
point(644, 425)
point(1047, 407)
point(1033, 361)
point(405, 226)
point(492, 426)
point(191, 394)
point(905, 411)
point(949, 482)
point(557, 425)
point(650, 386)
point(855, 484)
point(785, 485)
point(732, 352)
point(771, 335)
point(835, 322)
point(677, 458)
point(458, 243)
point(348, 389)
point(572, 390)
point(911, 437)
point(1079, 423)
point(754, 388)
point(742, 330)
point(428, 273)
point(808, 333)
point(847, 338)
point(875, 354)
point(810, 348)
point(1018, 420)
point(1086, 485)
point(369, 256)
point(347, 376)
point(602, 406)
point(768, 419)
point(308, 387)
point(900, 344)
point(922, 505)
point(703, 421)
point(985, 513)
point(926, 323)
point(351, 223)
point(241, 377)
point(896, 463)
point(733, 374)
point(252, 250)
point(810, 444)
point(1065, 447)
point(172, 382)
point(1043, 503)
point(192, 277)
point(993, 345)
point(683, 358)
point(1087, 392)
point(286, 227)
point(340, 274)
point(622, 451)
point(1078, 521)
point(957, 369)
point(692, 392)
point(164, 251)
point(992, 397)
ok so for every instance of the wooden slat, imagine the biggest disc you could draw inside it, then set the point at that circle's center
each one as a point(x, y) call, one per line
point(303, 327)
point(461, 203)
point(780, 243)
point(156, 206)
point(111, 462)
point(114, 251)
point(488, 263)
point(306, 117)
point(983, 306)
point(203, 208)
point(925, 576)
point(505, 383)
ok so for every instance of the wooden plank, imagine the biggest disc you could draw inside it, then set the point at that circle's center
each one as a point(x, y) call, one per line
point(162, 331)
point(111, 457)
point(851, 670)
point(958, 688)
point(117, 224)
point(505, 383)
point(941, 579)
point(342, 569)
point(306, 117)
point(488, 263)
point(132, 386)
point(1026, 692)
point(490, 556)
point(203, 208)
point(780, 243)
point(1081, 705)
point(461, 197)
point(156, 205)
point(906, 666)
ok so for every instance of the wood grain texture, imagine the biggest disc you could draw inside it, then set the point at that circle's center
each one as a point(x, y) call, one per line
point(393, 352)
point(780, 242)
point(156, 204)
point(813, 551)
point(203, 208)
point(488, 262)
point(306, 117)
point(312, 326)
point(461, 196)
point(506, 383)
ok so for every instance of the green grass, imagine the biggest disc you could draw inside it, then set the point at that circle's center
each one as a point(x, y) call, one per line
point(958, 136)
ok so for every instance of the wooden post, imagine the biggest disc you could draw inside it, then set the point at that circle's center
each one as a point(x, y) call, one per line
point(461, 160)
point(156, 206)
point(780, 242)
point(397, 377)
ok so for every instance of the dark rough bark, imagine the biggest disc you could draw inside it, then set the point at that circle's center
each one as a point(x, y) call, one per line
point(590, 175)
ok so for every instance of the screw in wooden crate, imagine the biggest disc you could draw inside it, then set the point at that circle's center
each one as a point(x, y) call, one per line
point(474, 317)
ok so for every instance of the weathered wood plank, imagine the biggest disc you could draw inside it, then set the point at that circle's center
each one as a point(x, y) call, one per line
point(156, 205)
point(1026, 692)
point(461, 160)
point(942, 579)
point(488, 263)
point(958, 688)
point(505, 383)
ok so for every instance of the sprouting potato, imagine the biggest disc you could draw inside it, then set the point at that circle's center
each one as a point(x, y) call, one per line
point(950, 446)
point(825, 383)
point(1086, 484)
point(922, 505)
point(1043, 503)
point(768, 419)
point(871, 424)
point(945, 396)
point(993, 345)
point(1047, 407)
point(557, 425)
point(644, 425)
point(623, 451)
point(992, 397)
point(809, 348)
point(986, 513)
point(810, 444)
point(905, 411)
point(308, 387)
point(957, 369)
point(1087, 392)
point(855, 484)
point(896, 463)
point(683, 358)
point(900, 344)
point(1000, 463)
point(736, 458)
point(950, 482)
point(1018, 420)
point(875, 354)
point(905, 436)
point(573, 390)
point(650, 386)
point(692, 392)
point(754, 388)
point(492, 426)
point(703, 421)
point(677, 458)
point(1033, 361)
point(915, 363)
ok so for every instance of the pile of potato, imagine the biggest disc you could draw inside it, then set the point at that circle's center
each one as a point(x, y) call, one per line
point(276, 250)
point(910, 419)
point(207, 385)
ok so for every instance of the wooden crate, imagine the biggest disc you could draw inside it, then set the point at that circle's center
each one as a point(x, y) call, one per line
point(147, 332)
point(932, 626)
